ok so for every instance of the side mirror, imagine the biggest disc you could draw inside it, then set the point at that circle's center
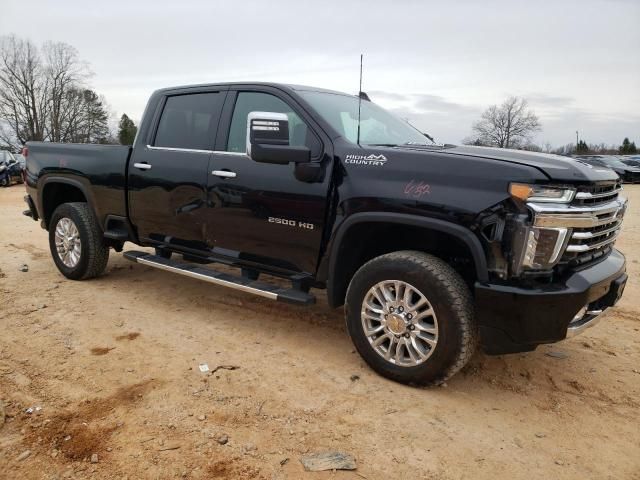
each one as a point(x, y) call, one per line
point(268, 140)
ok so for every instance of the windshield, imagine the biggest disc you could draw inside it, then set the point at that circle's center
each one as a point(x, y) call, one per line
point(377, 126)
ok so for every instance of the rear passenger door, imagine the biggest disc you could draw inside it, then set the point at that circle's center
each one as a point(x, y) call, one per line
point(168, 175)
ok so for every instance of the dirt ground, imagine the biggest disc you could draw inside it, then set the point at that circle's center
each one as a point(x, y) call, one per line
point(110, 367)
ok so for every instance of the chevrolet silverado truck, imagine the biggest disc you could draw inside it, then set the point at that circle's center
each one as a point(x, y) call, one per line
point(432, 249)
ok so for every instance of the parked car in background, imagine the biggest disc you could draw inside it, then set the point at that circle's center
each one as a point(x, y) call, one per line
point(21, 160)
point(628, 173)
point(631, 160)
point(10, 169)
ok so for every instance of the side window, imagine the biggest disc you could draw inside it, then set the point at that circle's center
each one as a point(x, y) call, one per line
point(190, 121)
point(247, 102)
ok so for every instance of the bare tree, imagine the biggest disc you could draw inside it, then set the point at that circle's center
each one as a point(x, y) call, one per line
point(43, 95)
point(64, 72)
point(23, 92)
point(568, 149)
point(90, 123)
point(509, 125)
point(531, 147)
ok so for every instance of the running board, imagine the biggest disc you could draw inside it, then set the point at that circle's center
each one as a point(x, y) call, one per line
point(262, 289)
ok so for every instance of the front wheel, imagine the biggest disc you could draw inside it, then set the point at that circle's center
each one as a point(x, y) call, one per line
point(410, 316)
point(76, 242)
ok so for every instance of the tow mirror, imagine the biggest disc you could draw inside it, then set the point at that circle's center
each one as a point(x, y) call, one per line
point(268, 140)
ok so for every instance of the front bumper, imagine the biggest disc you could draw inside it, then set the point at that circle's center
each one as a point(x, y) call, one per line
point(515, 319)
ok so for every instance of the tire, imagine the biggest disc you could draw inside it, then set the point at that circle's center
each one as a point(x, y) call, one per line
point(436, 345)
point(5, 182)
point(93, 253)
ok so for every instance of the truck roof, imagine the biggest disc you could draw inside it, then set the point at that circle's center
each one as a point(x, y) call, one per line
point(281, 86)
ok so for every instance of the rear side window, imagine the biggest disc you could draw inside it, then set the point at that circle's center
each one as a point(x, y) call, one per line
point(190, 121)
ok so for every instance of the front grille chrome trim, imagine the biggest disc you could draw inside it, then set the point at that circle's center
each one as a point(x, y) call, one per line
point(601, 209)
point(587, 235)
point(585, 247)
point(578, 217)
point(588, 195)
point(573, 221)
point(598, 224)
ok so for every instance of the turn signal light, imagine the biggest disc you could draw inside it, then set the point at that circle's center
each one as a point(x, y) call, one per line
point(541, 193)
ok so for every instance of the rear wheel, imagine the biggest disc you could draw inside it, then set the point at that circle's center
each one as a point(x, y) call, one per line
point(76, 242)
point(410, 316)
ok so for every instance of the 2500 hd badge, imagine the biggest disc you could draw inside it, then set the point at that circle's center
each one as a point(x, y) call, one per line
point(291, 223)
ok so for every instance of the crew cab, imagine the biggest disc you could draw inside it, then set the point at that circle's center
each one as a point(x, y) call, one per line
point(432, 249)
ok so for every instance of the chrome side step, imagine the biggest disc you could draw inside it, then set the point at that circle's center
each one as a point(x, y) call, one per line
point(262, 289)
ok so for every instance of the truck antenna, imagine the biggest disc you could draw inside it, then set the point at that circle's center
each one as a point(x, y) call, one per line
point(359, 99)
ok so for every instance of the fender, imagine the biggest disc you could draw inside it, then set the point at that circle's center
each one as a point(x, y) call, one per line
point(69, 181)
point(463, 234)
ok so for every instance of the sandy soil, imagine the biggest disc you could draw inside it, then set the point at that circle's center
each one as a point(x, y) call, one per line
point(113, 365)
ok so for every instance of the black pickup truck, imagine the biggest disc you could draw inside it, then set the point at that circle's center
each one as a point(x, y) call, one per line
point(431, 248)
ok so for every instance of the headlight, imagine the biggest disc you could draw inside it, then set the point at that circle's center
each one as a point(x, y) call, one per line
point(541, 193)
point(2, 168)
point(543, 247)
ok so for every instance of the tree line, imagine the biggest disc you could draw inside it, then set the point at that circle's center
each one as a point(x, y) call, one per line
point(45, 96)
point(512, 125)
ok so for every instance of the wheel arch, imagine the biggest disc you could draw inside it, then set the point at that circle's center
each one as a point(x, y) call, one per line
point(342, 263)
point(58, 190)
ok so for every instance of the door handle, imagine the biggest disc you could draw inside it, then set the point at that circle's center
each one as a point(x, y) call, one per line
point(224, 173)
point(142, 166)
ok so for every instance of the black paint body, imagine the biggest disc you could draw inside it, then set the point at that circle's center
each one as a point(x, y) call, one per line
point(181, 205)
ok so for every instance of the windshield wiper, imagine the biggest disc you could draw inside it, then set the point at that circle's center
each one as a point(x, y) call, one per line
point(382, 144)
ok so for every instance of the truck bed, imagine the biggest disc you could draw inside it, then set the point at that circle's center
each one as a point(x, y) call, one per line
point(98, 170)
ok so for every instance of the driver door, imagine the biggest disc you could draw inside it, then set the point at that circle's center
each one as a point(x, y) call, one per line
point(260, 212)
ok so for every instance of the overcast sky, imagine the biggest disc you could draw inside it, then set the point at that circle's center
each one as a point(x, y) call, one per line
point(436, 63)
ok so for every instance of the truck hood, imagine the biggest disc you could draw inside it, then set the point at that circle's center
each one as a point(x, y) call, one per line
point(556, 167)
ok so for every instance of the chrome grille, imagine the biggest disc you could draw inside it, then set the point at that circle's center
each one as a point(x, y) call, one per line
point(594, 217)
point(597, 194)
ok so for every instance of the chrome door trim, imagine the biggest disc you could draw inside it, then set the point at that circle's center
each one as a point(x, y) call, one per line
point(224, 152)
point(194, 150)
point(171, 149)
